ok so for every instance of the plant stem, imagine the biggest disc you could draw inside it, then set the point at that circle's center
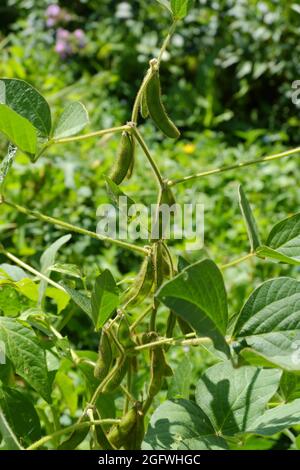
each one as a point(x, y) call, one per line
point(166, 42)
point(140, 318)
point(222, 169)
point(31, 270)
point(70, 429)
point(99, 133)
point(173, 341)
point(144, 147)
point(73, 228)
point(237, 261)
point(135, 110)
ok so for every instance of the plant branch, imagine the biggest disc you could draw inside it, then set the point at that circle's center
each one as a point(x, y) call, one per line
point(238, 260)
point(70, 429)
point(99, 133)
point(30, 269)
point(73, 228)
point(146, 151)
point(236, 166)
point(166, 42)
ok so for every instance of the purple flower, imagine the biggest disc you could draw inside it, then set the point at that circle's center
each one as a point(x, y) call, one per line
point(50, 22)
point(62, 33)
point(53, 10)
point(80, 36)
point(63, 48)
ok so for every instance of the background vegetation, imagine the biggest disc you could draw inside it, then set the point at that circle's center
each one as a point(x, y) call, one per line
point(228, 80)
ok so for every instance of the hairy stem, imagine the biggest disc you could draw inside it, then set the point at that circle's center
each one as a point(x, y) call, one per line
point(70, 429)
point(236, 166)
point(237, 261)
point(166, 42)
point(73, 228)
point(76, 138)
point(146, 151)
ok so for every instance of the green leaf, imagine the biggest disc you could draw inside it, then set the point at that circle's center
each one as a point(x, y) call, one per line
point(233, 398)
point(269, 322)
point(25, 100)
point(80, 299)
point(277, 419)
point(252, 230)
point(60, 297)
point(74, 118)
point(69, 269)
point(180, 383)
point(105, 298)
point(284, 239)
point(20, 414)
point(8, 436)
point(18, 130)
point(166, 4)
point(267, 252)
point(25, 353)
point(178, 423)
point(68, 391)
point(180, 8)
point(198, 296)
point(48, 259)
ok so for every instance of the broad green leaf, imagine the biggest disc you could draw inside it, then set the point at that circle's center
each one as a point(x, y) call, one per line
point(178, 423)
point(13, 272)
point(18, 130)
point(180, 8)
point(60, 297)
point(166, 4)
point(284, 239)
point(25, 353)
point(290, 386)
point(180, 383)
point(252, 230)
point(80, 299)
point(269, 322)
point(267, 252)
point(198, 296)
point(20, 414)
point(115, 193)
point(25, 100)
point(233, 398)
point(8, 436)
point(48, 259)
point(277, 419)
point(105, 298)
point(74, 118)
point(69, 269)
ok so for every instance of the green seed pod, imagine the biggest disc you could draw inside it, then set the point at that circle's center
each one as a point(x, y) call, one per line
point(168, 196)
point(157, 261)
point(75, 439)
point(135, 437)
point(156, 108)
point(166, 263)
point(102, 441)
point(104, 357)
point(124, 334)
point(144, 107)
point(142, 285)
point(159, 367)
point(120, 433)
point(119, 372)
point(124, 159)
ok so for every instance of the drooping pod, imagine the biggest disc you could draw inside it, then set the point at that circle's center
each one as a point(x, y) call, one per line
point(124, 334)
point(118, 373)
point(156, 108)
point(104, 357)
point(125, 159)
point(144, 107)
point(122, 432)
point(142, 285)
point(159, 368)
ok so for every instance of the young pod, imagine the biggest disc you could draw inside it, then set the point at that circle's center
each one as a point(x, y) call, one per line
point(124, 334)
point(124, 160)
point(120, 432)
point(142, 285)
point(75, 439)
point(104, 357)
point(157, 261)
point(118, 373)
point(135, 438)
point(156, 108)
point(144, 107)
